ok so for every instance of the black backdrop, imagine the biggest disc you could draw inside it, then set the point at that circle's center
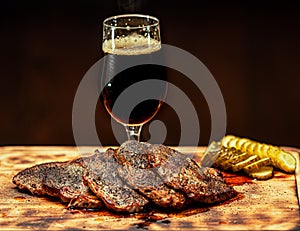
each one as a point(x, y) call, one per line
point(251, 48)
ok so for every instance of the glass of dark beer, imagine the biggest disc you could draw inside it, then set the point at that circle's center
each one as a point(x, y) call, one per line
point(134, 86)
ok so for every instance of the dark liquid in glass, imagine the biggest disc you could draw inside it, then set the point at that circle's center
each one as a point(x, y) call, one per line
point(145, 110)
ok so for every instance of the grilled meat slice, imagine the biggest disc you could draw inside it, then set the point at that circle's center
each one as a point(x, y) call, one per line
point(65, 182)
point(31, 179)
point(102, 178)
point(184, 178)
point(134, 153)
point(151, 186)
point(58, 179)
point(180, 172)
point(85, 161)
point(161, 153)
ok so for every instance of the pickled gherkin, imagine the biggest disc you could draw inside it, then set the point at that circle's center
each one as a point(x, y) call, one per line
point(278, 158)
point(253, 158)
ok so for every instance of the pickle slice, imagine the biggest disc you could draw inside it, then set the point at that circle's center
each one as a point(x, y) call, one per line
point(240, 142)
point(240, 158)
point(256, 149)
point(257, 165)
point(234, 160)
point(226, 139)
point(263, 151)
point(264, 173)
point(245, 145)
point(272, 152)
point(286, 161)
point(250, 147)
point(239, 166)
point(232, 142)
point(220, 159)
point(226, 154)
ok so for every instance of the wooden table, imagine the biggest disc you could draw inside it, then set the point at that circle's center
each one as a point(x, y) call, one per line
point(263, 205)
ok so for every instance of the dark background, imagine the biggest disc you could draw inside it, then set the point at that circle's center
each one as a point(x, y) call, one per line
point(251, 48)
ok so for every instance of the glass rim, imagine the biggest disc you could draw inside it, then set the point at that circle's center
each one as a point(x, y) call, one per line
point(155, 23)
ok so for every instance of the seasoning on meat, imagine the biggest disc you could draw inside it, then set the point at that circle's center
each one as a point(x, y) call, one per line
point(102, 178)
point(65, 182)
point(127, 179)
point(180, 172)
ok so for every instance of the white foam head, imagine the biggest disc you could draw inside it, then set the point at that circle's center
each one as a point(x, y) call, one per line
point(131, 45)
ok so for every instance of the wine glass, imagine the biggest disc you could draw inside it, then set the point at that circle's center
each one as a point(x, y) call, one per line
point(132, 40)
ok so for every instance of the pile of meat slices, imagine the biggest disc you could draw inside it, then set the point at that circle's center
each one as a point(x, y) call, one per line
point(127, 179)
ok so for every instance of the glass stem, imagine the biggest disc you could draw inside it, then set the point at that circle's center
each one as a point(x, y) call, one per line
point(133, 132)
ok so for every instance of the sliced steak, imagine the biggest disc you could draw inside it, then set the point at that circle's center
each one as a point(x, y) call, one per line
point(134, 153)
point(180, 172)
point(31, 179)
point(65, 182)
point(102, 178)
point(58, 179)
point(201, 184)
point(161, 153)
point(151, 186)
point(127, 179)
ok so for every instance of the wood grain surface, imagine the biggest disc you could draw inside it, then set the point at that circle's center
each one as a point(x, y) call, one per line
point(261, 205)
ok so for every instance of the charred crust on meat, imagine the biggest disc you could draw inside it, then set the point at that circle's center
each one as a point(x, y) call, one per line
point(103, 179)
point(132, 178)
